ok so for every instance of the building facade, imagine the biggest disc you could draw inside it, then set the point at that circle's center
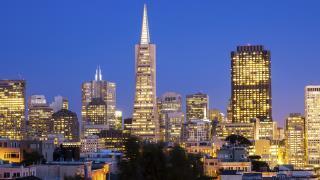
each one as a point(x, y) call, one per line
point(171, 117)
point(145, 122)
point(312, 113)
point(40, 123)
point(295, 140)
point(197, 106)
point(251, 84)
point(65, 122)
point(12, 109)
point(102, 91)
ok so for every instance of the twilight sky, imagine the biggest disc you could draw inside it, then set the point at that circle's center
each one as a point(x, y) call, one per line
point(56, 45)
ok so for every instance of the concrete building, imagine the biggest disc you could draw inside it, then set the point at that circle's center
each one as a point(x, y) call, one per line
point(11, 171)
point(59, 103)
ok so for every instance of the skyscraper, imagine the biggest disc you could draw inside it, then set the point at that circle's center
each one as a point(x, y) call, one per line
point(12, 109)
point(171, 117)
point(145, 123)
point(40, 123)
point(295, 140)
point(312, 113)
point(103, 90)
point(251, 84)
point(197, 106)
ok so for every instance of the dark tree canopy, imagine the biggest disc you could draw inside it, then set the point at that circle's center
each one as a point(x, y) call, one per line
point(238, 139)
point(152, 161)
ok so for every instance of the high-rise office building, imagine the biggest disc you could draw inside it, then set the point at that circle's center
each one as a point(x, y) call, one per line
point(312, 121)
point(169, 102)
point(145, 122)
point(197, 106)
point(251, 84)
point(295, 140)
point(40, 123)
point(12, 109)
point(66, 123)
point(119, 124)
point(103, 90)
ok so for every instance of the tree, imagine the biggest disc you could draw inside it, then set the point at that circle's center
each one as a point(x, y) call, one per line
point(260, 166)
point(238, 140)
point(32, 157)
point(153, 161)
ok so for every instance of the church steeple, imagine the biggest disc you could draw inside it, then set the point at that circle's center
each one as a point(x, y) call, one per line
point(145, 37)
point(98, 76)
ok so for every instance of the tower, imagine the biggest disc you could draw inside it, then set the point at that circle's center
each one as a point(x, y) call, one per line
point(145, 123)
point(101, 92)
point(250, 84)
point(12, 109)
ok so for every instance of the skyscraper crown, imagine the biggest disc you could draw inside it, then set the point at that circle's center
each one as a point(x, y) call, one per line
point(98, 76)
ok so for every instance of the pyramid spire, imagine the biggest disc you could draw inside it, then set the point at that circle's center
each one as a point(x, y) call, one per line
point(145, 37)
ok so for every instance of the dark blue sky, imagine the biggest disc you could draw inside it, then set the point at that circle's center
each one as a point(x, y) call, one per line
point(56, 45)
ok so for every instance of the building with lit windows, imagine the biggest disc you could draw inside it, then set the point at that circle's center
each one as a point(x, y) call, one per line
point(266, 129)
point(248, 130)
point(65, 122)
point(198, 130)
point(12, 109)
point(295, 140)
point(40, 123)
point(96, 114)
point(90, 144)
point(312, 121)
point(112, 140)
point(170, 116)
point(145, 122)
point(118, 116)
point(197, 106)
point(98, 91)
point(251, 84)
point(59, 103)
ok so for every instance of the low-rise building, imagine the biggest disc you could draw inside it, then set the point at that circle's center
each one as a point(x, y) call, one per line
point(11, 171)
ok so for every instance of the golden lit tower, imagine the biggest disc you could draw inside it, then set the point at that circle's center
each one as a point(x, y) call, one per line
point(251, 84)
point(40, 123)
point(12, 109)
point(197, 106)
point(312, 113)
point(96, 112)
point(295, 140)
point(145, 123)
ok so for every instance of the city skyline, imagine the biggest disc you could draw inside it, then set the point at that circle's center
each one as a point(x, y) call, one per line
point(169, 79)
